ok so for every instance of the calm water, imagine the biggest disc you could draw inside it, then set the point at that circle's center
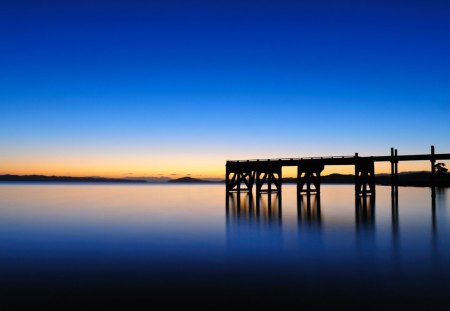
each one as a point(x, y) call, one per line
point(183, 242)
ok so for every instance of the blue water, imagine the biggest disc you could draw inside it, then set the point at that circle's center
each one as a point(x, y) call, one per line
point(58, 240)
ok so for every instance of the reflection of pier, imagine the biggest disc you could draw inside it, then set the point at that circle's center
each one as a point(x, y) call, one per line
point(365, 212)
point(394, 210)
point(264, 223)
point(309, 209)
point(266, 175)
point(266, 210)
point(245, 208)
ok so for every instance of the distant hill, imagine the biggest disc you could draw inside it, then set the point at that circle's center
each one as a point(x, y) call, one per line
point(188, 180)
point(149, 179)
point(43, 178)
point(338, 178)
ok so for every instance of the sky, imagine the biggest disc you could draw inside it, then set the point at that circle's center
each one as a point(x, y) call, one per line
point(175, 88)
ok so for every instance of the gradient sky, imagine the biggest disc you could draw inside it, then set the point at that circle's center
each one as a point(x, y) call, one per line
point(155, 88)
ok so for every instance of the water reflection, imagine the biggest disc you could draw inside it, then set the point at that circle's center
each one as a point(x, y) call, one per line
point(395, 221)
point(308, 209)
point(254, 224)
point(365, 212)
point(327, 244)
point(245, 208)
point(394, 208)
point(438, 202)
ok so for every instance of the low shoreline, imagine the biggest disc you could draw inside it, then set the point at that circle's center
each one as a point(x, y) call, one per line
point(412, 179)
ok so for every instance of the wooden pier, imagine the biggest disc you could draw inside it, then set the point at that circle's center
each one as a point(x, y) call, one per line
point(266, 175)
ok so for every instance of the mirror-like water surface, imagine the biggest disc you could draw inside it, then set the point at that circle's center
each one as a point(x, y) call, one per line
point(193, 236)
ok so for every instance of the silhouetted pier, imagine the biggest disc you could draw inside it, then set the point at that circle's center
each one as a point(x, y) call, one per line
point(266, 175)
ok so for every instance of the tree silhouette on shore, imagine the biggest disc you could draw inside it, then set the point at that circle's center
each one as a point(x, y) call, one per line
point(440, 168)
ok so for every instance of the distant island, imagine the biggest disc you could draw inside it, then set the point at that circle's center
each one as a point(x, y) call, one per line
point(43, 178)
point(415, 179)
point(189, 180)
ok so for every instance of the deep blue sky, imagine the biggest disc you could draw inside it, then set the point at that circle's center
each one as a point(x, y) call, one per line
point(178, 87)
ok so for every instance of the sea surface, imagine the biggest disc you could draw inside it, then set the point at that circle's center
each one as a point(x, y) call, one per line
point(194, 245)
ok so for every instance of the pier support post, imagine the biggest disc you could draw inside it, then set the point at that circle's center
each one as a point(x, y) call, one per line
point(364, 176)
point(394, 192)
point(238, 176)
point(308, 178)
point(433, 173)
point(269, 174)
point(394, 173)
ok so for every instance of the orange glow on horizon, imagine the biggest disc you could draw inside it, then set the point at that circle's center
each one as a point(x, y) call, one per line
point(115, 168)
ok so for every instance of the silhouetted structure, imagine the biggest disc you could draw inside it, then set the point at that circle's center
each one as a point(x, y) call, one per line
point(267, 174)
